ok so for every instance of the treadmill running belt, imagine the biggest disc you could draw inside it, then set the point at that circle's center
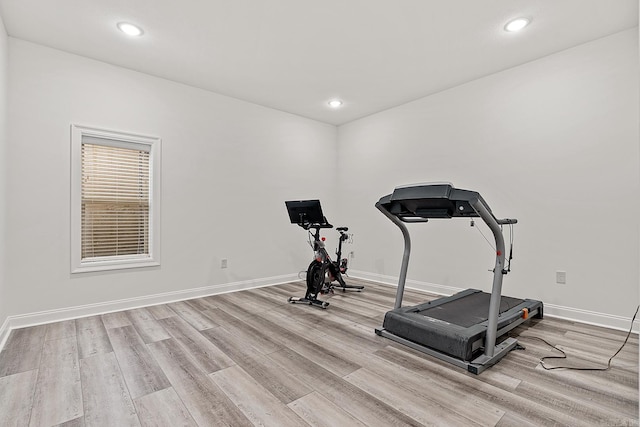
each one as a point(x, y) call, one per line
point(471, 310)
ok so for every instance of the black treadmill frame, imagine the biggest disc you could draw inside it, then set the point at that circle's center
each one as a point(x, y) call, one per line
point(445, 201)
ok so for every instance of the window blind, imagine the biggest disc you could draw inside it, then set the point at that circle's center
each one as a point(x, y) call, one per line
point(115, 201)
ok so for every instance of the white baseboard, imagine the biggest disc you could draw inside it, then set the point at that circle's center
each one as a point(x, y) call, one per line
point(410, 284)
point(50, 316)
point(551, 310)
point(592, 317)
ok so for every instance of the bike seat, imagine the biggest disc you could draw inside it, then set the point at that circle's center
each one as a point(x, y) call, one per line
point(342, 229)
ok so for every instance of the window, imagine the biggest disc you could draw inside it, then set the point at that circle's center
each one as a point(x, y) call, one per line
point(115, 200)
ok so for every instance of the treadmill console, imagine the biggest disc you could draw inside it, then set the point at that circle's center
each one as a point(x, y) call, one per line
point(440, 200)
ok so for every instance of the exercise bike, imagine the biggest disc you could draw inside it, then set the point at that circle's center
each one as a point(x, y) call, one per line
point(323, 271)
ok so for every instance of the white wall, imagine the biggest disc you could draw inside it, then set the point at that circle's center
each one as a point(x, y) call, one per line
point(228, 166)
point(553, 143)
point(3, 167)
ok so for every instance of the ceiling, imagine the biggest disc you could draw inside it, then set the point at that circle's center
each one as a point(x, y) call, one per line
point(295, 55)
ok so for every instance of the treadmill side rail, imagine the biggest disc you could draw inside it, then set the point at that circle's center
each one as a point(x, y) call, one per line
point(499, 351)
point(475, 366)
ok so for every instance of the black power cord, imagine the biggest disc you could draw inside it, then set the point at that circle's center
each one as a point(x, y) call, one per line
point(564, 355)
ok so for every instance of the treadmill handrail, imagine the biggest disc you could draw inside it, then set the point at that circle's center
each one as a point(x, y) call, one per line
point(412, 219)
point(498, 273)
point(405, 256)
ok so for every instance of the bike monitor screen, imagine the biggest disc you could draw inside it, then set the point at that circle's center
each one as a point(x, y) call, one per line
point(305, 211)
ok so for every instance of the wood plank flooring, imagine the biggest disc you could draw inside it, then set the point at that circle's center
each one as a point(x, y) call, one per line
point(250, 358)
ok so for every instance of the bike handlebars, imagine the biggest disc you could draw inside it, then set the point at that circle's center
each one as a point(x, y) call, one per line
point(318, 226)
point(309, 225)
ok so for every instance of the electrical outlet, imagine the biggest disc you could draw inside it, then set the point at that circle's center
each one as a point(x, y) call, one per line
point(223, 263)
point(561, 277)
point(352, 254)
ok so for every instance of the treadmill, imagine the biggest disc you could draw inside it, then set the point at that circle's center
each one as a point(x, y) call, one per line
point(466, 329)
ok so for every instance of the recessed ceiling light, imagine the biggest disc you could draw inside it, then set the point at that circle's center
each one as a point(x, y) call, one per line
point(130, 29)
point(335, 103)
point(517, 24)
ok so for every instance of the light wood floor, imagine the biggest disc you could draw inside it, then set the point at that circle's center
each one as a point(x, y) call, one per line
point(251, 358)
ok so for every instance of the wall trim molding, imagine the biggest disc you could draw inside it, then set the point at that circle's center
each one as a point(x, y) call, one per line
point(43, 317)
point(552, 310)
point(592, 318)
point(68, 313)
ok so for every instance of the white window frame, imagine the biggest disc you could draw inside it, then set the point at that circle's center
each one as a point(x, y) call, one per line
point(124, 140)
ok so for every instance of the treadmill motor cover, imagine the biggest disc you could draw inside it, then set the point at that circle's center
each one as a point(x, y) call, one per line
point(454, 325)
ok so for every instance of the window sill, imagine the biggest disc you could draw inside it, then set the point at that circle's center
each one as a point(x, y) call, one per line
point(92, 266)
